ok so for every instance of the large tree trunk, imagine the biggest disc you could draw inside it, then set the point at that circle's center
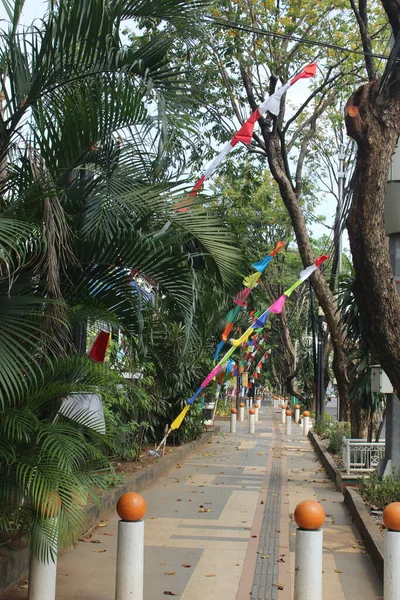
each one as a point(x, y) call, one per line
point(373, 120)
point(321, 287)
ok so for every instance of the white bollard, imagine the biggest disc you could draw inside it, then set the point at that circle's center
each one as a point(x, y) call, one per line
point(233, 420)
point(296, 413)
point(42, 575)
point(391, 577)
point(241, 412)
point(131, 508)
point(256, 408)
point(252, 420)
point(283, 414)
point(309, 516)
point(42, 579)
point(288, 422)
point(306, 422)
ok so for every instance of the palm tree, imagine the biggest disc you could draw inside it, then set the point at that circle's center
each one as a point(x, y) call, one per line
point(90, 147)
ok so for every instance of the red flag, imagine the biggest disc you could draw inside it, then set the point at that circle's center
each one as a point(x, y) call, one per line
point(99, 347)
point(308, 71)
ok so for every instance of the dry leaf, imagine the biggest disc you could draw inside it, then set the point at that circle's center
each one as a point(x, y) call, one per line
point(162, 564)
point(168, 593)
point(211, 575)
point(106, 533)
point(338, 571)
point(100, 551)
point(279, 586)
point(24, 587)
point(204, 510)
point(186, 566)
point(170, 573)
point(102, 524)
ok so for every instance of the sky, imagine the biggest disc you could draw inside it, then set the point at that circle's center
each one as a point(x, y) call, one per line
point(34, 9)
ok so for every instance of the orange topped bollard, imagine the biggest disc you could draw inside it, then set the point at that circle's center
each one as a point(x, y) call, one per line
point(309, 516)
point(283, 414)
point(131, 507)
point(391, 575)
point(306, 422)
point(233, 420)
point(256, 408)
point(297, 413)
point(242, 406)
point(252, 420)
point(288, 422)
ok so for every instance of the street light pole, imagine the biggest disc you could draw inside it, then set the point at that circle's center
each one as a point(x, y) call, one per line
point(320, 380)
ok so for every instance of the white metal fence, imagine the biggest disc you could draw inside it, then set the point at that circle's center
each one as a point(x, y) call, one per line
point(361, 456)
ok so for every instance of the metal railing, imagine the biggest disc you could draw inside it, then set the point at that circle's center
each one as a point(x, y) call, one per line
point(361, 456)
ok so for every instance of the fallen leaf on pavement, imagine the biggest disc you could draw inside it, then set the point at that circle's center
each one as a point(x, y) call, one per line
point(102, 524)
point(170, 573)
point(279, 586)
point(211, 575)
point(100, 551)
point(105, 533)
point(338, 571)
point(167, 593)
point(186, 566)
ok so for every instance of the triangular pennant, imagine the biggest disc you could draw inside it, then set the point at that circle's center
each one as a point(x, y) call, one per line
point(178, 421)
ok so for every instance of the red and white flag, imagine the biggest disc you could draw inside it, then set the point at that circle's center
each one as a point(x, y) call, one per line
point(245, 133)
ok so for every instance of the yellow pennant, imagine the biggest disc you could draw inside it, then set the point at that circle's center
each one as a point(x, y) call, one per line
point(243, 338)
point(252, 280)
point(178, 421)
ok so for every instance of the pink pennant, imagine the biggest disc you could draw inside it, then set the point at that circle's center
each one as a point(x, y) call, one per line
point(308, 71)
point(211, 376)
point(278, 305)
point(245, 133)
point(241, 296)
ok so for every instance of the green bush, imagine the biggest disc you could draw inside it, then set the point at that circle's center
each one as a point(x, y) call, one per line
point(380, 492)
point(333, 431)
point(322, 424)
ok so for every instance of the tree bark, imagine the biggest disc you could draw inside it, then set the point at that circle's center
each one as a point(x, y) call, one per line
point(321, 287)
point(373, 120)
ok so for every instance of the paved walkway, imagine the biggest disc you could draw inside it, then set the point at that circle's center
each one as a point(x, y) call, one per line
point(220, 526)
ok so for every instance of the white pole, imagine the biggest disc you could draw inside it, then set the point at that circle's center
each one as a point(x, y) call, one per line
point(256, 408)
point(306, 423)
point(233, 420)
point(283, 414)
point(391, 577)
point(308, 565)
point(42, 579)
point(252, 420)
point(241, 412)
point(296, 414)
point(131, 508)
point(42, 575)
point(288, 422)
point(309, 516)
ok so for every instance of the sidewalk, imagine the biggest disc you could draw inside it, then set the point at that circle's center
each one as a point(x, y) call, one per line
point(220, 526)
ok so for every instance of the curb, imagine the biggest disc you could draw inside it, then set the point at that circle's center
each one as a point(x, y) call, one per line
point(16, 565)
point(367, 529)
point(326, 460)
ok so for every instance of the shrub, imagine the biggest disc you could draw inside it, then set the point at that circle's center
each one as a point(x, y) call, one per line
point(333, 431)
point(380, 492)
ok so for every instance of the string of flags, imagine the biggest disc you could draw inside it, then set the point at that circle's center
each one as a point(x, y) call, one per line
point(260, 321)
point(245, 133)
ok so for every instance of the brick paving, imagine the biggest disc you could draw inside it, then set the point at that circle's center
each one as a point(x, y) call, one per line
point(220, 525)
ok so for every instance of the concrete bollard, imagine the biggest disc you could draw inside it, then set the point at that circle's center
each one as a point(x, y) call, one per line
point(288, 422)
point(256, 408)
point(306, 422)
point(42, 575)
point(233, 420)
point(241, 412)
point(297, 413)
point(309, 516)
point(252, 420)
point(391, 577)
point(131, 507)
point(283, 414)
